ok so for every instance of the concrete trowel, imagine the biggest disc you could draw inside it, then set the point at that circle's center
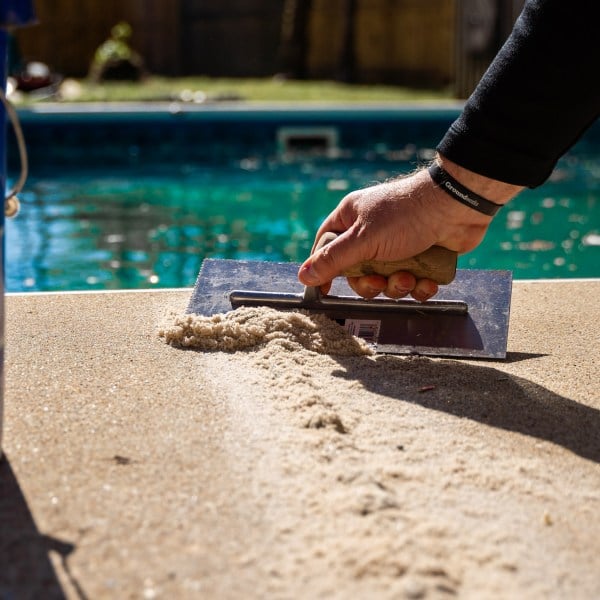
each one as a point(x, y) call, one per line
point(467, 319)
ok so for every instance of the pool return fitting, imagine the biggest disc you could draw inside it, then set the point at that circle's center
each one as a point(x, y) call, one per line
point(13, 13)
point(301, 140)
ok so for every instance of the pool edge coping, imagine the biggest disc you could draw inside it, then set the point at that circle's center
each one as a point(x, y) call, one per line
point(561, 280)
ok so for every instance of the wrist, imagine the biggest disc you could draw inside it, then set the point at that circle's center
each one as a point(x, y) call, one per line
point(491, 189)
point(454, 225)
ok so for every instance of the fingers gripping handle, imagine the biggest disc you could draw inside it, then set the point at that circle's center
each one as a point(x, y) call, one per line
point(435, 263)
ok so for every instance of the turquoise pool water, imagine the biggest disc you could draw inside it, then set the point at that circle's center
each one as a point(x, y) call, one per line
point(148, 224)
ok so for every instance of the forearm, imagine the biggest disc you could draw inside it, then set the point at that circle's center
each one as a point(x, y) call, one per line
point(536, 99)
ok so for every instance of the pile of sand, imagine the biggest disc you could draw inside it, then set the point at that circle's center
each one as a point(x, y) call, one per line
point(246, 328)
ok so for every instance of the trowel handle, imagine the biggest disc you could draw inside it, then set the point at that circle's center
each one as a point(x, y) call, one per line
point(435, 263)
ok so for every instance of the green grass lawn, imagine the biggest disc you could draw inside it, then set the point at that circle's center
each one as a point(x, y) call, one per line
point(250, 90)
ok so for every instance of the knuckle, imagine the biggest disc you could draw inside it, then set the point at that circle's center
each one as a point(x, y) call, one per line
point(326, 257)
point(352, 197)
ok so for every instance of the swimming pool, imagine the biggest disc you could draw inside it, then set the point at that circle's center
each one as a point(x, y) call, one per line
point(136, 197)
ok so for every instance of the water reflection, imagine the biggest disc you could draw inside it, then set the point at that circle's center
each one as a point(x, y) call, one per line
point(152, 228)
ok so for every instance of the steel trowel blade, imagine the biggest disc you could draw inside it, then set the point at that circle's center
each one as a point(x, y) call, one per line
point(482, 332)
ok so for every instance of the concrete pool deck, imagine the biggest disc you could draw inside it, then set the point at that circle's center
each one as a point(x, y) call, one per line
point(136, 470)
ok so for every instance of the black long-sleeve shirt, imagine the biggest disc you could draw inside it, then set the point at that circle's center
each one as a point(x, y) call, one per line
point(541, 92)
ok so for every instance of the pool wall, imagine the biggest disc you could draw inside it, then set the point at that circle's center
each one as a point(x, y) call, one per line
point(121, 134)
point(136, 134)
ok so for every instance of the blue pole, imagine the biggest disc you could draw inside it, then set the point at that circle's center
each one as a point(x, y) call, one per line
point(12, 13)
point(3, 65)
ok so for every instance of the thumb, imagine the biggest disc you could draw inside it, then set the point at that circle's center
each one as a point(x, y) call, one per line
point(330, 260)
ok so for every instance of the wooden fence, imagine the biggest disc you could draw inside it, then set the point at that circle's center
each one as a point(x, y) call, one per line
point(69, 31)
point(393, 41)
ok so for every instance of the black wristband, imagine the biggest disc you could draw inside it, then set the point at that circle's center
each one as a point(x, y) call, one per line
point(459, 192)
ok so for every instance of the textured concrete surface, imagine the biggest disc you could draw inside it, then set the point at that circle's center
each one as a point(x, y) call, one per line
point(136, 470)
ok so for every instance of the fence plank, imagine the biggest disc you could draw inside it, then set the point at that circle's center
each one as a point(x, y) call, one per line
point(397, 41)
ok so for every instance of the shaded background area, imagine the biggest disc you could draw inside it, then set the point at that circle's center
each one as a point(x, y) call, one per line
point(438, 43)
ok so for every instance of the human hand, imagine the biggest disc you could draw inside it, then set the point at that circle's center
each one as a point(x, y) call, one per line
point(393, 221)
